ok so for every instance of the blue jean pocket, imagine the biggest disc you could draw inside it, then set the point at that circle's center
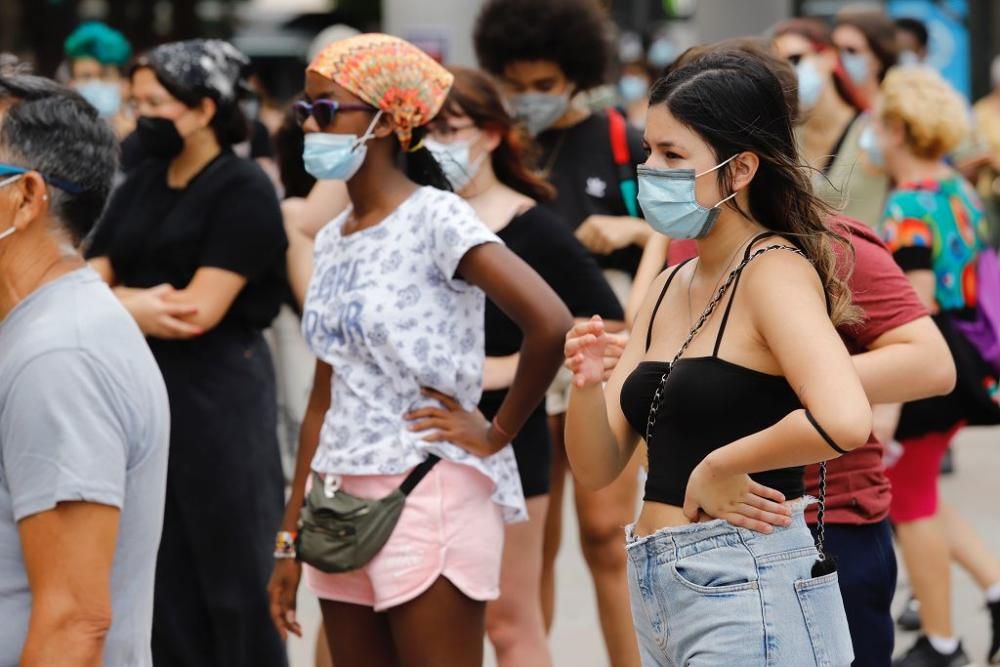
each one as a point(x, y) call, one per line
point(718, 571)
point(825, 620)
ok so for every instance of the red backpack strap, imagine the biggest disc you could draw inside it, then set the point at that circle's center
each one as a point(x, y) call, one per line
point(617, 131)
point(619, 140)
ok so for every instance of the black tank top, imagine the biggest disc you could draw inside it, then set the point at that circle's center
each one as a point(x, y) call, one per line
point(708, 403)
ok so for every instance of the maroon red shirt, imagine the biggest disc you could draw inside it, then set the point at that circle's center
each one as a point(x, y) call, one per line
point(858, 491)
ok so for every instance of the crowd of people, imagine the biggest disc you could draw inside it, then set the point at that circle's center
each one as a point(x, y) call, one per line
point(505, 290)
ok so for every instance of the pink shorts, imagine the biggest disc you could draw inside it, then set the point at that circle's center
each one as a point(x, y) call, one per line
point(449, 526)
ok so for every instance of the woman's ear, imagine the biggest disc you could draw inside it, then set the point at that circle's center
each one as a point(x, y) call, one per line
point(742, 170)
point(385, 126)
point(491, 139)
point(206, 111)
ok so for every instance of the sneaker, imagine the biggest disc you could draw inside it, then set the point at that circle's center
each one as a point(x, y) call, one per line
point(909, 618)
point(947, 463)
point(922, 654)
point(994, 656)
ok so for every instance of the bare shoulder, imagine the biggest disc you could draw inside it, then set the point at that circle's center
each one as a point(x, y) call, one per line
point(780, 277)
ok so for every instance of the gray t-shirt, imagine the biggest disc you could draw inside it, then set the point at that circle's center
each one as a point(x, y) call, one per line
point(83, 417)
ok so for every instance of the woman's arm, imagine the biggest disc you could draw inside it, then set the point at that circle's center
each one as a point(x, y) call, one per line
point(211, 293)
point(907, 363)
point(654, 257)
point(284, 584)
point(542, 317)
point(599, 440)
point(923, 283)
point(788, 309)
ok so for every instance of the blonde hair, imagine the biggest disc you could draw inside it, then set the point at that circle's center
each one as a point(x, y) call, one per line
point(933, 114)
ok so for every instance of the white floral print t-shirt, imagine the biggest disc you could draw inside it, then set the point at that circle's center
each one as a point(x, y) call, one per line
point(387, 312)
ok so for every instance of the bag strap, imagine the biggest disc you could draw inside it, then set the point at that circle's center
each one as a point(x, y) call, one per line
point(418, 474)
point(627, 186)
point(655, 404)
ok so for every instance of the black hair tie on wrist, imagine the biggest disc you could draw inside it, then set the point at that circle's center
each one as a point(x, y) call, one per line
point(826, 436)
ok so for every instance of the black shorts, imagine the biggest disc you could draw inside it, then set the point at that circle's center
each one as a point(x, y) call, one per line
point(532, 446)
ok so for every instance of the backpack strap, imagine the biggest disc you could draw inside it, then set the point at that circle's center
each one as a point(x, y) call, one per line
point(618, 133)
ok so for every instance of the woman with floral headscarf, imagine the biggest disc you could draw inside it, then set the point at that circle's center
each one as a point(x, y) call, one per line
point(193, 243)
point(395, 314)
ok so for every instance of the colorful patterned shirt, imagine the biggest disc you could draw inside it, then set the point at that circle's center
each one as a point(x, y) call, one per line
point(938, 225)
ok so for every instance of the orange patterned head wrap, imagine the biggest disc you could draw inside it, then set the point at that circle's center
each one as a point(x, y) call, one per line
point(390, 74)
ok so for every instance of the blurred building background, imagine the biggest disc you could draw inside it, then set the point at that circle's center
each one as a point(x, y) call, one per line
point(965, 34)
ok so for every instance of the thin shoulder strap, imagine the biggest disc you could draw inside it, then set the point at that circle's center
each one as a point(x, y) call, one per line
point(659, 300)
point(732, 294)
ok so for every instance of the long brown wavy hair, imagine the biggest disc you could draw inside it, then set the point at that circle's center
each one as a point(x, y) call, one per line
point(475, 94)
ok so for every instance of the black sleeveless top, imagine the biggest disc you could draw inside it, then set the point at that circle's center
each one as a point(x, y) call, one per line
point(708, 403)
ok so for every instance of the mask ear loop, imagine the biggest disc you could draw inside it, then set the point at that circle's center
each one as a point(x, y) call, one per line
point(719, 166)
point(369, 133)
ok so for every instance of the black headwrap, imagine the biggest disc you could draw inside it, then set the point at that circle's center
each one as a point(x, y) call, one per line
point(198, 68)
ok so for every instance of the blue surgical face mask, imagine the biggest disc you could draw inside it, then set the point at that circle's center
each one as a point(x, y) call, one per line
point(455, 161)
point(105, 96)
point(811, 84)
point(668, 202)
point(539, 111)
point(868, 143)
point(908, 58)
point(661, 53)
point(633, 87)
point(856, 66)
point(336, 157)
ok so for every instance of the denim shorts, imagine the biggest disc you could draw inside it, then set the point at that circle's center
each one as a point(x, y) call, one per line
point(711, 594)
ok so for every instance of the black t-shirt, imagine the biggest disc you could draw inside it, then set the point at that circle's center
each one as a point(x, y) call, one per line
point(548, 246)
point(584, 172)
point(227, 217)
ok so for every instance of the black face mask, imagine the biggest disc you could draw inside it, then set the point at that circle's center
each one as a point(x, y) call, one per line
point(159, 136)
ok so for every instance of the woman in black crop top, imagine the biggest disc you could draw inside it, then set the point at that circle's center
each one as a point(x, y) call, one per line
point(759, 386)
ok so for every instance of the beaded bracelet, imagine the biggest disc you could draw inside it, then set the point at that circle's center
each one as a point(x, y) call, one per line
point(284, 545)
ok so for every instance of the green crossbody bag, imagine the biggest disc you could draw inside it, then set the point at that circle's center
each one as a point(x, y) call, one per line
point(339, 532)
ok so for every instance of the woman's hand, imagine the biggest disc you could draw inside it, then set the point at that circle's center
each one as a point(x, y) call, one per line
point(157, 316)
point(603, 234)
point(613, 352)
point(733, 496)
point(282, 591)
point(587, 352)
point(468, 429)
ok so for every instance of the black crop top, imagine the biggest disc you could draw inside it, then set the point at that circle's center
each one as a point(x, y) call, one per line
point(708, 403)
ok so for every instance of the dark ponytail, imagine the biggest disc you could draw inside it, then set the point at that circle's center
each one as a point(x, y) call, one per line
point(419, 164)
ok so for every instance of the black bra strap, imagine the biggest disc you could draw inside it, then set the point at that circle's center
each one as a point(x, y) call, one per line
point(732, 293)
point(659, 300)
point(418, 474)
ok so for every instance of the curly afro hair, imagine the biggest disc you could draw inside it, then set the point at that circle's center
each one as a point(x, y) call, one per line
point(575, 34)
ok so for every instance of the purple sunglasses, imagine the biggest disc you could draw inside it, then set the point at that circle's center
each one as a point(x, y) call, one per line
point(324, 111)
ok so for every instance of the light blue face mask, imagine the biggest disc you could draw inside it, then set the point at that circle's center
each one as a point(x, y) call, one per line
point(668, 202)
point(810, 84)
point(454, 157)
point(105, 96)
point(868, 143)
point(539, 111)
point(856, 66)
point(336, 157)
point(633, 87)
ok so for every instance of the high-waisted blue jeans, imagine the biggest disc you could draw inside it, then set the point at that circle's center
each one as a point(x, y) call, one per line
point(711, 594)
